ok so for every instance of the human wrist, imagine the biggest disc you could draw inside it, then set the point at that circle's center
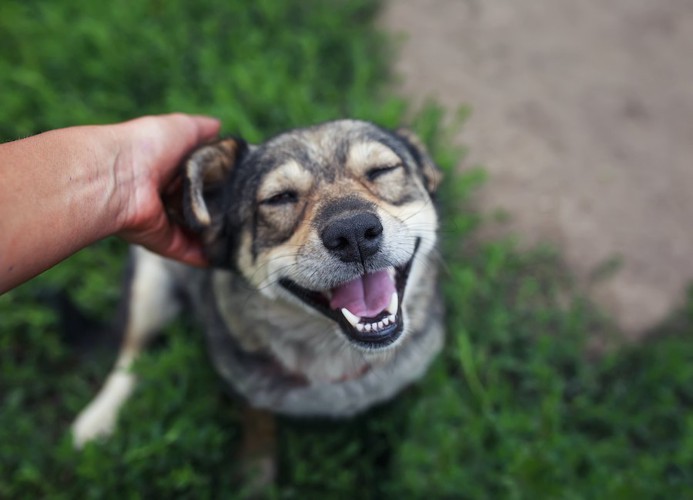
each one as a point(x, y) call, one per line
point(103, 186)
point(118, 162)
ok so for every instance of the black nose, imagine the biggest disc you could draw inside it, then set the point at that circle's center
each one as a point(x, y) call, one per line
point(354, 237)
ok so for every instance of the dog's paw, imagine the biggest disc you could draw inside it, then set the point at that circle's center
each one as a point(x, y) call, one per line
point(99, 418)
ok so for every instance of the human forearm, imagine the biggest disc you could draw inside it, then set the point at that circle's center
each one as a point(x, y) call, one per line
point(58, 194)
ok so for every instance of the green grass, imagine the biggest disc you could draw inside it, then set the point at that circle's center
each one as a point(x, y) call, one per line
point(514, 408)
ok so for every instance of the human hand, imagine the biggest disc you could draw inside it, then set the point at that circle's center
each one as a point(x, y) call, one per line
point(149, 151)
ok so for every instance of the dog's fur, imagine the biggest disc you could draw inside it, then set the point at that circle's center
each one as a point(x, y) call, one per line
point(286, 226)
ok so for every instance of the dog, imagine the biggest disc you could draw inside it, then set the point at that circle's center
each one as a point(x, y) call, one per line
point(322, 296)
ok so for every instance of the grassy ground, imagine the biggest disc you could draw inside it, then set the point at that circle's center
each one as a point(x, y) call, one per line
point(513, 409)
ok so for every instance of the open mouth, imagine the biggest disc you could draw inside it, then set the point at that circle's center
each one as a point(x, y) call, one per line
point(368, 308)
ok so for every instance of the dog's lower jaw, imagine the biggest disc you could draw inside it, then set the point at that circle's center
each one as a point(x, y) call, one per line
point(364, 334)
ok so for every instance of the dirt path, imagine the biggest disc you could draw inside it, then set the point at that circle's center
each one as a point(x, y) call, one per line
point(583, 116)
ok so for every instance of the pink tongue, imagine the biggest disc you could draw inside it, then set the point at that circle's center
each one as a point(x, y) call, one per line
point(365, 296)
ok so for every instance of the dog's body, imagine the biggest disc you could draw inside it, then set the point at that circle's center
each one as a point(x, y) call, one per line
point(322, 299)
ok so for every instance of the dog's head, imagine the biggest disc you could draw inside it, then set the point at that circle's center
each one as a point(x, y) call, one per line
point(336, 218)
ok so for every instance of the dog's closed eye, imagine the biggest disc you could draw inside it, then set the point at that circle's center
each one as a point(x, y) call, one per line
point(376, 172)
point(281, 198)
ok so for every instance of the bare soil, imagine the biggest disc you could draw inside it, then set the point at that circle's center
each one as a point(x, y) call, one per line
point(583, 117)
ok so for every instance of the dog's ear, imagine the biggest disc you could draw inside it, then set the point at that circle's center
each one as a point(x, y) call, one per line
point(429, 171)
point(205, 173)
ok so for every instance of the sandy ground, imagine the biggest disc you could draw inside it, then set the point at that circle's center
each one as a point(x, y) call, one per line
point(583, 117)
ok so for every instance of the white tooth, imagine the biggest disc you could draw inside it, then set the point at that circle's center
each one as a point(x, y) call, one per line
point(386, 321)
point(367, 327)
point(391, 273)
point(391, 317)
point(394, 304)
point(351, 318)
point(359, 327)
point(380, 325)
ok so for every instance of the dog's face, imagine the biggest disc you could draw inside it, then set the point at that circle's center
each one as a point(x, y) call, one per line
point(337, 219)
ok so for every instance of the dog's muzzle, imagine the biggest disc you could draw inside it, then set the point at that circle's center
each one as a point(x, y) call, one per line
point(368, 308)
point(367, 304)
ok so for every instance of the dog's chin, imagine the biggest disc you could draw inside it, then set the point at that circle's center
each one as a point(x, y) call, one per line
point(370, 332)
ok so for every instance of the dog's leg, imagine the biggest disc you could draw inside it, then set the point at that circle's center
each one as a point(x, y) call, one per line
point(151, 302)
point(258, 455)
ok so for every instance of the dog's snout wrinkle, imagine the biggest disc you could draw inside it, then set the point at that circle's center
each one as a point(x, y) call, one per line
point(353, 238)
